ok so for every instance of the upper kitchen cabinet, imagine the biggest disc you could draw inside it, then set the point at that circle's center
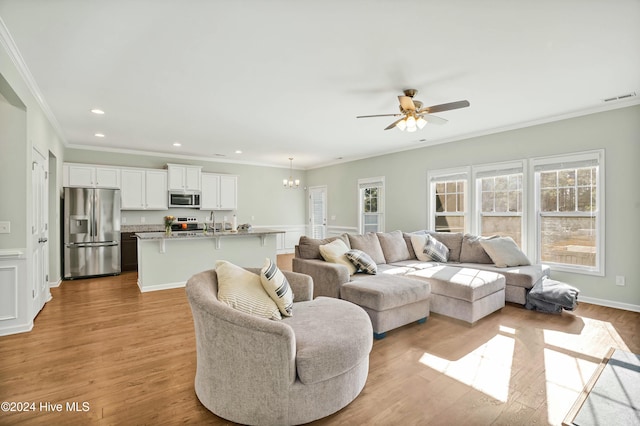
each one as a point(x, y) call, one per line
point(183, 177)
point(90, 176)
point(144, 189)
point(219, 192)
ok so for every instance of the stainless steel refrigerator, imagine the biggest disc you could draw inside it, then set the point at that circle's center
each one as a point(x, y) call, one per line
point(91, 232)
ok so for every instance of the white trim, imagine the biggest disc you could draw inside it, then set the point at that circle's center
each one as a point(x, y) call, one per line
point(456, 173)
point(157, 287)
point(610, 303)
point(510, 167)
point(364, 183)
point(583, 156)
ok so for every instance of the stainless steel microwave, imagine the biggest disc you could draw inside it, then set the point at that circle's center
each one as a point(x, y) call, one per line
point(179, 199)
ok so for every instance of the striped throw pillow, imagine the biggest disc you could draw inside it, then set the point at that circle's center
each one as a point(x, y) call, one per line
point(277, 286)
point(436, 250)
point(362, 261)
point(242, 290)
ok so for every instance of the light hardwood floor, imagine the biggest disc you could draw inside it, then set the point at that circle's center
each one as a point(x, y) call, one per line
point(131, 358)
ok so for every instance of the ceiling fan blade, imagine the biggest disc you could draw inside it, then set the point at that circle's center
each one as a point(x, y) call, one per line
point(406, 103)
point(392, 125)
point(445, 107)
point(434, 119)
point(379, 115)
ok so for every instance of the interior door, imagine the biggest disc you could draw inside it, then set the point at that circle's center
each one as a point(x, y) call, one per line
point(318, 211)
point(39, 232)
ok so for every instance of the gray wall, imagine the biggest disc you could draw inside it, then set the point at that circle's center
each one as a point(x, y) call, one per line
point(616, 131)
point(260, 191)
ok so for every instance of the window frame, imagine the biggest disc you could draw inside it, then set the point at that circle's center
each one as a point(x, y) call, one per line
point(444, 175)
point(372, 182)
point(568, 161)
point(495, 170)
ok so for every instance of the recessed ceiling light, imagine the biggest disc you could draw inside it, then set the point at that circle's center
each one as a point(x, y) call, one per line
point(97, 111)
point(177, 144)
point(238, 151)
point(99, 135)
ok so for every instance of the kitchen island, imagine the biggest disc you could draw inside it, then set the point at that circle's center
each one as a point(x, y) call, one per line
point(168, 261)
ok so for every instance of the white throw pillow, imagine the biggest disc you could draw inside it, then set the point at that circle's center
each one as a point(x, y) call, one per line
point(242, 290)
point(277, 286)
point(335, 252)
point(504, 252)
point(418, 241)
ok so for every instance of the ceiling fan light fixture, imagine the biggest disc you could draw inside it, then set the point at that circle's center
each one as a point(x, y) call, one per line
point(421, 122)
point(401, 125)
point(411, 124)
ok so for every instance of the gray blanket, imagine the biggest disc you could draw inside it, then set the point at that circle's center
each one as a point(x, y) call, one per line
point(552, 296)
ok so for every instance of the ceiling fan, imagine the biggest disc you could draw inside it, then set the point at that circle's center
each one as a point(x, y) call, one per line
point(414, 116)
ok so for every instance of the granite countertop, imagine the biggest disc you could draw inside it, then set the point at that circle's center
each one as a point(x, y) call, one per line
point(142, 228)
point(201, 234)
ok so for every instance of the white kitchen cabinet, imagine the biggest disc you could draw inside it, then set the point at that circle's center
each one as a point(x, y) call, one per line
point(183, 177)
point(144, 189)
point(219, 192)
point(90, 176)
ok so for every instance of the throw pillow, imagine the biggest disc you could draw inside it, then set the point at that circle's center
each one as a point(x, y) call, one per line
point(242, 290)
point(369, 244)
point(418, 241)
point(436, 250)
point(472, 251)
point(334, 252)
point(453, 241)
point(277, 286)
point(362, 261)
point(308, 247)
point(394, 247)
point(504, 252)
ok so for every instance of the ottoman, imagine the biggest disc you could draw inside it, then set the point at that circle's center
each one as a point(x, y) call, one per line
point(391, 301)
point(466, 294)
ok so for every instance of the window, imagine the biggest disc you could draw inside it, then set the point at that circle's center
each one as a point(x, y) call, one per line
point(371, 204)
point(499, 204)
point(448, 200)
point(569, 210)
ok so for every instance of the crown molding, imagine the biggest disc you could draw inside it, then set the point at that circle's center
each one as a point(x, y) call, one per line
point(14, 54)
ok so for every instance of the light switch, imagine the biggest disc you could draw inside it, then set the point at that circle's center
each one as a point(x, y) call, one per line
point(5, 227)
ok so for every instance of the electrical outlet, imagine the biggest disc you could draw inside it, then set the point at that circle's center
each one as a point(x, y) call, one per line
point(143, 219)
point(123, 220)
point(5, 227)
point(620, 280)
point(253, 218)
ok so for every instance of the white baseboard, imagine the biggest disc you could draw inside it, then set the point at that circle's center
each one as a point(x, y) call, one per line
point(53, 284)
point(23, 328)
point(609, 303)
point(166, 286)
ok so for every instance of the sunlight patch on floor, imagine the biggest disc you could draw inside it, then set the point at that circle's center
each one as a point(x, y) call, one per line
point(486, 369)
point(565, 378)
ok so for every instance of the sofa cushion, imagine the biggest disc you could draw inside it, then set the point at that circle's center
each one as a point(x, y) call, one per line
point(332, 336)
point(362, 261)
point(518, 276)
point(472, 251)
point(242, 290)
point(369, 244)
point(394, 247)
point(436, 250)
point(335, 252)
point(453, 241)
point(277, 287)
point(504, 252)
point(384, 291)
point(308, 248)
point(461, 283)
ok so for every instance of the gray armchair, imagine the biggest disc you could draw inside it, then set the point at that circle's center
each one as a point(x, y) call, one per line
point(252, 370)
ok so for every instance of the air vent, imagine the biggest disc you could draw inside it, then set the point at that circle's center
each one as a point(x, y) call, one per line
point(617, 98)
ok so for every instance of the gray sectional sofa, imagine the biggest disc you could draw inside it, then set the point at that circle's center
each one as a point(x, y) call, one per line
point(467, 287)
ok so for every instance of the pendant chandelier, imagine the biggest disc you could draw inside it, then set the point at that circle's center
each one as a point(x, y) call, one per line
point(291, 183)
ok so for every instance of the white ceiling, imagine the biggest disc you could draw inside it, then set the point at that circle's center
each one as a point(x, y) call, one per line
point(279, 79)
